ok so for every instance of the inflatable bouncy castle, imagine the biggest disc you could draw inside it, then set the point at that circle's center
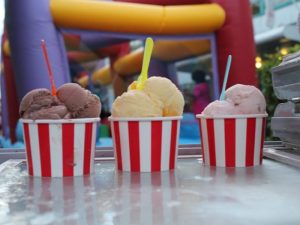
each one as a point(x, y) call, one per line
point(105, 27)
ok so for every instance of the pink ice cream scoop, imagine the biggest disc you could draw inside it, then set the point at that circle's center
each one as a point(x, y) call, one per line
point(239, 99)
point(218, 108)
point(246, 98)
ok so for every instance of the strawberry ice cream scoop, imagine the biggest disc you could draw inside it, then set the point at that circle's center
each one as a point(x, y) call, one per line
point(246, 99)
point(218, 108)
point(239, 100)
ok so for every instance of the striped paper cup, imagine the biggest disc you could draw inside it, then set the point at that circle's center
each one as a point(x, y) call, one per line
point(59, 148)
point(145, 144)
point(232, 141)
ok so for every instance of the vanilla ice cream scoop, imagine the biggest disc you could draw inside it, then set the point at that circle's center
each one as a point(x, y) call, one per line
point(164, 90)
point(136, 103)
point(247, 99)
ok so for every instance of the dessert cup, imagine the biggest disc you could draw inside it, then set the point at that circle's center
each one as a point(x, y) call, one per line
point(59, 148)
point(145, 144)
point(232, 140)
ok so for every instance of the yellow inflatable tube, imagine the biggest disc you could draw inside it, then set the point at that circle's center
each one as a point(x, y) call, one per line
point(102, 76)
point(83, 81)
point(176, 50)
point(166, 51)
point(6, 47)
point(137, 18)
point(129, 64)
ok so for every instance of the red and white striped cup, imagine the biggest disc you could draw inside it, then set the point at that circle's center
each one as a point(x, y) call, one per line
point(145, 144)
point(232, 141)
point(59, 148)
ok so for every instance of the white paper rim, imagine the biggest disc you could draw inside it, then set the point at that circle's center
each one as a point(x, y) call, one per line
point(61, 121)
point(167, 118)
point(243, 116)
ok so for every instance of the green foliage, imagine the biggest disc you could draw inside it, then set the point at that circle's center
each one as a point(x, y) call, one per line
point(265, 78)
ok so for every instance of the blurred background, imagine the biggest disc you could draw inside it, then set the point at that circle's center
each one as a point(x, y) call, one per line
point(106, 58)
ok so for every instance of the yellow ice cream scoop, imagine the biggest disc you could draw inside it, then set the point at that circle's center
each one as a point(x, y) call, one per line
point(163, 90)
point(153, 97)
point(132, 86)
point(136, 103)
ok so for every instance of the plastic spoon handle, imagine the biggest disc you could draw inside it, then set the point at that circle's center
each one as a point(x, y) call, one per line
point(43, 44)
point(146, 61)
point(222, 96)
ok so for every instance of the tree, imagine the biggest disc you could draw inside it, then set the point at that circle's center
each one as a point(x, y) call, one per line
point(265, 79)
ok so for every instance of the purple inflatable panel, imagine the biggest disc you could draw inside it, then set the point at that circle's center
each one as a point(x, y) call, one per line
point(28, 22)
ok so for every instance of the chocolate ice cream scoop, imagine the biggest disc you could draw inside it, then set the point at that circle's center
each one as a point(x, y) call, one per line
point(91, 108)
point(72, 101)
point(81, 103)
point(35, 100)
point(41, 104)
point(52, 113)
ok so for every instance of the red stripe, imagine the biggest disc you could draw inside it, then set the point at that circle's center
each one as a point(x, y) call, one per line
point(68, 186)
point(134, 145)
point(211, 141)
point(118, 144)
point(156, 180)
point(46, 192)
point(229, 142)
point(201, 137)
point(135, 181)
point(44, 146)
point(87, 182)
point(262, 139)
point(28, 149)
point(173, 145)
point(31, 188)
point(157, 197)
point(172, 179)
point(156, 134)
point(68, 148)
point(250, 141)
point(87, 148)
point(89, 217)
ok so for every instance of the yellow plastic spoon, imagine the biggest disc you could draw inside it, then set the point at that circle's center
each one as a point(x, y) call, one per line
point(146, 61)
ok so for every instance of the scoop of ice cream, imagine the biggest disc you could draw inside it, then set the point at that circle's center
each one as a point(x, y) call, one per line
point(72, 101)
point(92, 108)
point(136, 103)
point(41, 104)
point(52, 113)
point(247, 99)
point(239, 99)
point(80, 102)
point(218, 108)
point(164, 90)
